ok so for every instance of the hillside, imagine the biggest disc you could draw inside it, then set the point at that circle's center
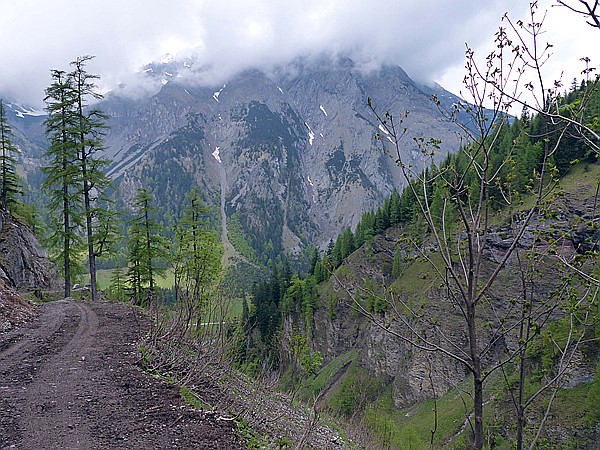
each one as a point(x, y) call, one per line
point(373, 375)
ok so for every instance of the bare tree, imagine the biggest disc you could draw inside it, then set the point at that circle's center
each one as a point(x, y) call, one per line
point(458, 249)
point(590, 10)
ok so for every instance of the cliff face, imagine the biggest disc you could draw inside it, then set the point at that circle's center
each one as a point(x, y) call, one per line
point(24, 264)
point(293, 157)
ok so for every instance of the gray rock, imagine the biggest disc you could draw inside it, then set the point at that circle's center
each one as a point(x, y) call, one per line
point(24, 264)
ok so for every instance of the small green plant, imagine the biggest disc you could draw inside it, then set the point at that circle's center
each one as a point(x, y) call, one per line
point(191, 398)
point(248, 435)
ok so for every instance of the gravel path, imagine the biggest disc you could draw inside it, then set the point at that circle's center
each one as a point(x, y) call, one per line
point(68, 380)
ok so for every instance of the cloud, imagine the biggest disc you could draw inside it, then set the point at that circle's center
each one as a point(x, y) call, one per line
point(426, 37)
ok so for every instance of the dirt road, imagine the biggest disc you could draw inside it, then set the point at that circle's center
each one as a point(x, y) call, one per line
point(68, 380)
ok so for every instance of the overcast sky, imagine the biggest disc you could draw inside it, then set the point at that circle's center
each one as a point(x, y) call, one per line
point(425, 37)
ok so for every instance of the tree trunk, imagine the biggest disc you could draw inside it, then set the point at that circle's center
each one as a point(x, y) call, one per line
point(477, 378)
point(90, 235)
point(478, 407)
point(67, 241)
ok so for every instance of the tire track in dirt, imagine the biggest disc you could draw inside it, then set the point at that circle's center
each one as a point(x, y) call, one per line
point(49, 409)
point(69, 380)
point(31, 337)
point(23, 352)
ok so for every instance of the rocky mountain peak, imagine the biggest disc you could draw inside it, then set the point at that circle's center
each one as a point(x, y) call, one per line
point(288, 156)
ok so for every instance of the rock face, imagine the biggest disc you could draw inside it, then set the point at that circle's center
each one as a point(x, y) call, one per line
point(24, 264)
point(292, 158)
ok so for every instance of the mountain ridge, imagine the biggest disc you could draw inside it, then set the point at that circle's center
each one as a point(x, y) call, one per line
point(293, 152)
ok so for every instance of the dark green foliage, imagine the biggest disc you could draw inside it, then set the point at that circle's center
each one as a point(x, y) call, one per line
point(75, 181)
point(146, 249)
point(10, 183)
point(239, 278)
point(313, 258)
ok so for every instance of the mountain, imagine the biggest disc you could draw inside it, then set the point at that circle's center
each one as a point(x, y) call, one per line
point(285, 159)
point(289, 158)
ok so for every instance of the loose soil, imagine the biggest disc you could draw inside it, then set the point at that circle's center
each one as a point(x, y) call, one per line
point(69, 380)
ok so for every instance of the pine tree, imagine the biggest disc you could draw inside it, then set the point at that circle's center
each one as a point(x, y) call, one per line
point(313, 257)
point(62, 182)
point(10, 184)
point(146, 249)
point(394, 207)
point(88, 131)
point(347, 243)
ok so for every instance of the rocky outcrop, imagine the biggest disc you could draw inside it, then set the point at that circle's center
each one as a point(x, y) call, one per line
point(24, 264)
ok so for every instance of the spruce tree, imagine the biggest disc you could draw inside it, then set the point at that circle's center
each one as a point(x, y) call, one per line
point(62, 182)
point(146, 249)
point(10, 184)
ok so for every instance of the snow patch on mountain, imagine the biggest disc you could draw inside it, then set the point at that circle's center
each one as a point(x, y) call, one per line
point(311, 134)
point(22, 111)
point(216, 94)
point(217, 154)
point(314, 192)
point(166, 58)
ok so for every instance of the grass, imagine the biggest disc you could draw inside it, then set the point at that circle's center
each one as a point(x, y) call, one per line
point(191, 398)
point(314, 385)
point(582, 179)
point(103, 277)
point(417, 277)
point(410, 428)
